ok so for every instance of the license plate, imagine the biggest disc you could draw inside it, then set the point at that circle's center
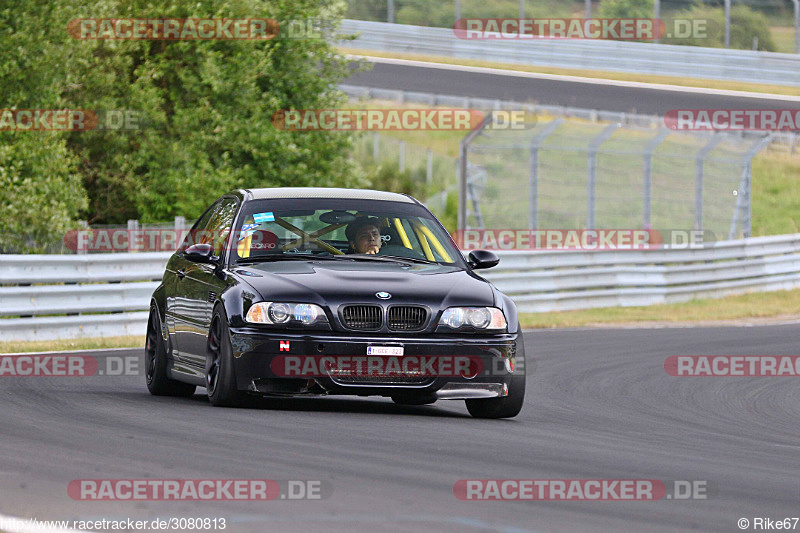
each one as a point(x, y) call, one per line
point(384, 350)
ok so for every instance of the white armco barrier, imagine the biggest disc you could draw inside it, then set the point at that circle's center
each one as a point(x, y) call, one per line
point(68, 296)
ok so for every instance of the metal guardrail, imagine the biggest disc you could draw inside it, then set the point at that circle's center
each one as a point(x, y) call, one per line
point(70, 296)
point(619, 56)
point(113, 291)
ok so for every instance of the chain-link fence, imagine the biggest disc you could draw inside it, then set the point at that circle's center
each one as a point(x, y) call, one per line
point(578, 174)
point(412, 168)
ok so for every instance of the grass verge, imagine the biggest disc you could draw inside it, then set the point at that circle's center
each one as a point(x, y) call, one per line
point(756, 305)
point(601, 74)
point(132, 341)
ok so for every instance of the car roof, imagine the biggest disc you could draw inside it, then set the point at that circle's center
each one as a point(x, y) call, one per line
point(328, 192)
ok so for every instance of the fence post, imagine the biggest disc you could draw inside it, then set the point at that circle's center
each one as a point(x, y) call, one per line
point(698, 180)
point(463, 155)
point(133, 226)
point(592, 164)
point(180, 227)
point(727, 23)
point(648, 175)
point(656, 16)
point(533, 161)
point(429, 168)
point(744, 197)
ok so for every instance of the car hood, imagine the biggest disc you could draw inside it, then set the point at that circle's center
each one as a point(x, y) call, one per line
point(333, 283)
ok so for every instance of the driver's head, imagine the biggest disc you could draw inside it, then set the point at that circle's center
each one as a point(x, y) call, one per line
point(364, 235)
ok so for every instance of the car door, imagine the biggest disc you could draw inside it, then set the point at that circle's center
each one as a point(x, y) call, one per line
point(201, 285)
point(178, 307)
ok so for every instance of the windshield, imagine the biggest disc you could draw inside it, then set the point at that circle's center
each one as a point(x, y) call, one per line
point(336, 228)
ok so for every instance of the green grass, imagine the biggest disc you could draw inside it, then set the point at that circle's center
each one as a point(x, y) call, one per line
point(72, 344)
point(744, 307)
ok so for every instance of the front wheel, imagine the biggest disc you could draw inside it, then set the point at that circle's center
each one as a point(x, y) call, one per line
point(220, 378)
point(155, 362)
point(505, 407)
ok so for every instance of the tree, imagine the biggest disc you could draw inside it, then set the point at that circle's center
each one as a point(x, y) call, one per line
point(204, 108)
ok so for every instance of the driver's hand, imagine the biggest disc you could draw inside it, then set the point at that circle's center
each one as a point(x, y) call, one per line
point(372, 251)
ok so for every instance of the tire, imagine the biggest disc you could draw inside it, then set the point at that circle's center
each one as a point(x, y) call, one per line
point(507, 406)
point(220, 377)
point(155, 363)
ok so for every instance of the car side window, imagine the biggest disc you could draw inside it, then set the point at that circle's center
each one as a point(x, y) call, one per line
point(214, 226)
point(195, 235)
point(219, 225)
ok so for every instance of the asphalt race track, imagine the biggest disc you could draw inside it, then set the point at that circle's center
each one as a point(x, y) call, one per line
point(599, 406)
point(589, 95)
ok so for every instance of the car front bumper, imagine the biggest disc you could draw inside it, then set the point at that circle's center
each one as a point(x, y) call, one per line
point(256, 351)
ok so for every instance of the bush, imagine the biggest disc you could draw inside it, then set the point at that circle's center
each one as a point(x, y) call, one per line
point(626, 9)
point(746, 24)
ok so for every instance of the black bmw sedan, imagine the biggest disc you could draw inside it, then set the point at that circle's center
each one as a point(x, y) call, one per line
point(323, 291)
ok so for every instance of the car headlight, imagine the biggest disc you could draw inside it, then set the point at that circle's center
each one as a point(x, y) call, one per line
point(483, 318)
point(277, 313)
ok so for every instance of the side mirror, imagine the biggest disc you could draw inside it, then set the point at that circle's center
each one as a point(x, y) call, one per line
point(482, 259)
point(200, 253)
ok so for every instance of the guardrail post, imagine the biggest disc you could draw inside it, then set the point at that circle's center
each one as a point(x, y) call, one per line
point(592, 164)
point(376, 146)
point(458, 9)
point(463, 156)
point(648, 174)
point(698, 180)
point(533, 191)
point(390, 11)
point(401, 156)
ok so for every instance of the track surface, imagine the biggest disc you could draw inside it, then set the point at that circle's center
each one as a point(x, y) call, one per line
point(586, 95)
point(599, 405)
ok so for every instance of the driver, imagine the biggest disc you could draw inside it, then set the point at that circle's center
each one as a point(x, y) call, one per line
point(364, 235)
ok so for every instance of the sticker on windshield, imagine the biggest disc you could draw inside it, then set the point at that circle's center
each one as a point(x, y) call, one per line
point(264, 217)
point(247, 230)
